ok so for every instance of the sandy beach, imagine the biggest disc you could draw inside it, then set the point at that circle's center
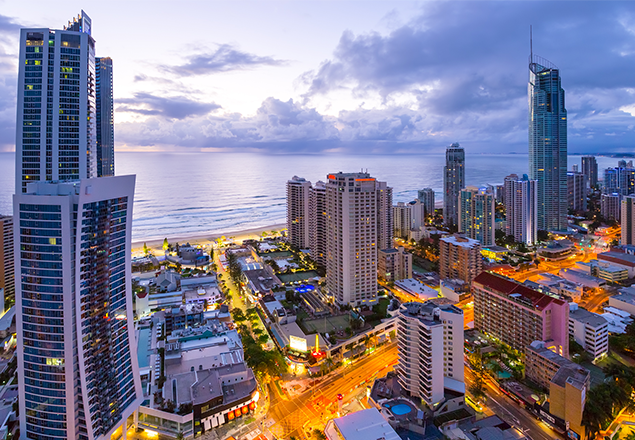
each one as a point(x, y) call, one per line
point(206, 239)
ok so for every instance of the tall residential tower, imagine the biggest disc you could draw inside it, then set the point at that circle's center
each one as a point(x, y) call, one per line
point(453, 182)
point(298, 212)
point(56, 130)
point(548, 143)
point(105, 118)
point(521, 205)
point(359, 224)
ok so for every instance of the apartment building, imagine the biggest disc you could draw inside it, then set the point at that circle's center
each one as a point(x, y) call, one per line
point(477, 215)
point(402, 218)
point(298, 230)
point(317, 222)
point(359, 224)
point(394, 264)
point(610, 206)
point(426, 196)
point(460, 258)
point(519, 315)
point(590, 330)
point(7, 264)
point(521, 206)
point(430, 344)
point(628, 220)
point(576, 191)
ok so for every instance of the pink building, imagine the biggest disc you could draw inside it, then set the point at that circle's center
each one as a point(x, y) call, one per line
point(518, 315)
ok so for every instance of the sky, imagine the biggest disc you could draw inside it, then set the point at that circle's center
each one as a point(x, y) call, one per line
point(344, 76)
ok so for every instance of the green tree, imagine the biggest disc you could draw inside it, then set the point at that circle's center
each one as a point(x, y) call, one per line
point(145, 249)
point(166, 245)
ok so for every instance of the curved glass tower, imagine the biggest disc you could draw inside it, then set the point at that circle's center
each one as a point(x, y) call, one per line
point(548, 143)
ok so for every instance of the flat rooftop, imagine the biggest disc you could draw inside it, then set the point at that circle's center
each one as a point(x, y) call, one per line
point(425, 311)
point(589, 318)
point(462, 241)
point(509, 287)
point(618, 257)
point(368, 424)
point(568, 369)
point(626, 295)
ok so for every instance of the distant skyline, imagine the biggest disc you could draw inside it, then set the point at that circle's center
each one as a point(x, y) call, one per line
point(345, 76)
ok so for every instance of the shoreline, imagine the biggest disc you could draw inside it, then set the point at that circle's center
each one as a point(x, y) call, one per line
point(206, 238)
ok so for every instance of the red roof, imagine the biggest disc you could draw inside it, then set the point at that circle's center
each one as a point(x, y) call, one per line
point(618, 257)
point(507, 287)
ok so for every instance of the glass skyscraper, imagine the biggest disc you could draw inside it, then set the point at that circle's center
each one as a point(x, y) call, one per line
point(548, 143)
point(105, 118)
point(453, 183)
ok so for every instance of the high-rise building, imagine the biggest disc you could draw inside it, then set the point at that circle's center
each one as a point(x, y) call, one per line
point(611, 178)
point(576, 191)
point(402, 218)
point(590, 169)
point(105, 117)
point(628, 220)
point(453, 183)
point(521, 205)
point(477, 213)
point(56, 132)
point(359, 224)
point(77, 363)
point(518, 315)
point(7, 264)
point(626, 180)
point(317, 222)
point(430, 345)
point(460, 258)
point(426, 196)
point(298, 212)
point(610, 206)
point(394, 264)
point(548, 143)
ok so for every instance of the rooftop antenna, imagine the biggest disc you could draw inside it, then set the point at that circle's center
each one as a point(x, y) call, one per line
point(531, 45)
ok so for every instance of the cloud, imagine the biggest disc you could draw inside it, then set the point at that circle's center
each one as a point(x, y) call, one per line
point(224, 59)
point(178, 107)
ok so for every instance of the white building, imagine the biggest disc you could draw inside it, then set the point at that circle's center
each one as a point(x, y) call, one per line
point(590, 330)
point(359, 211)
point(402, 219)
point(298, 212)
point(477, 215)
point(521, 205)
point(56, 132)
point(624, 300)
point(414, 287)
point(361, 425)
point(394, 264)
point(628, 220)
point(317, 222)
point(7, 261)
point(77, 361)
point(430, 344)
point(610, 206)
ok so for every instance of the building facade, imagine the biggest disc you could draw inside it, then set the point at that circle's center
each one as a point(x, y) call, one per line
point(317, 222)
point(7, 262)
point(394, 264)
point(548, 143)
point(430, 345)
point(426, 196)
point(77, 361)
point(521, 206)
point(56, 131)
point(590, 169)
point(460, 258)
point(590, 330)
point(518, 315)
point(610, 206)
point(576, 191)
point(628, 220)
point(105, 111)
point(477, 215)
point(453, 182)
point(298, 229)
point(402, 218)
point(359, 223)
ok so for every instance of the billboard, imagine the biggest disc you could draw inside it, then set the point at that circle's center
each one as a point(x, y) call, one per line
point(297, 344)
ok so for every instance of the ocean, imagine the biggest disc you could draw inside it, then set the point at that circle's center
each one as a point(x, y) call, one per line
point(182, 194)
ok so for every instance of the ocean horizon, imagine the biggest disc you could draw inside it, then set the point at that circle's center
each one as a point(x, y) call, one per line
point(186, 194)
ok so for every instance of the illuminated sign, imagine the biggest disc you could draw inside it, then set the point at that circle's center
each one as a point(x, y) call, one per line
point(331, 176)
point(298, 344)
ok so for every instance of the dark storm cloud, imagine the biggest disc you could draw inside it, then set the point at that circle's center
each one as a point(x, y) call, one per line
point(172, 108)
point(224, 59)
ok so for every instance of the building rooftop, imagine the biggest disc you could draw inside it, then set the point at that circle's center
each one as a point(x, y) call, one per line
point(425, 312)
point(589, 318)
point(626, 295)
point(568, 372)
point(515, 290)
point(462, 241)
point(262, 279)
point(367, 424)
point(416, 287)
point(618, 257)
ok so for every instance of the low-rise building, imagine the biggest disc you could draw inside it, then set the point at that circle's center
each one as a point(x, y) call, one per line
point(260, 282)
point(416, 288)
point(581, 277)
point(624, 300)
point(557, 250)
point(556, 285)
point(394, 264)
point(361, 425)
point(275, 311)
point(622, 259)
point(455, 290)
point(568, 384)
point(590, 330)
point(494, 253)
